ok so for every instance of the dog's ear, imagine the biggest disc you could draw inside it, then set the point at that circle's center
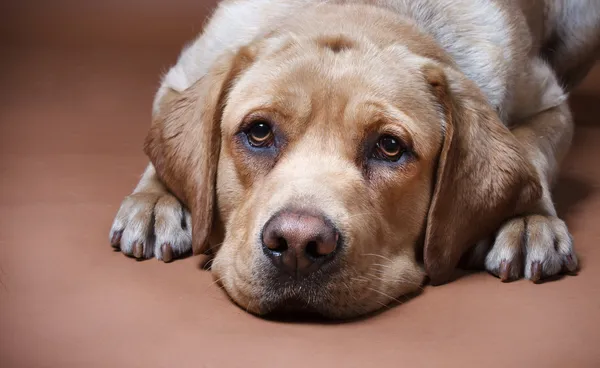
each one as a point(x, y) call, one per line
point(184, 140)
point(482, 176)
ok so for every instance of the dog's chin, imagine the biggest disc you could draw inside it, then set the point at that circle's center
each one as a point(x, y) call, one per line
point(299, 309)
point(295, 309)
point(281, 304)
point(327, 294)
point(306, 303)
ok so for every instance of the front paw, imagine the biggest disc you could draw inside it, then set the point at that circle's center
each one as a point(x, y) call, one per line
point(152, 224)
point(534, 246)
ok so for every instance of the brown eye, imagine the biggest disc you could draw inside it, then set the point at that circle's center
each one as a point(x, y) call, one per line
point(389, 148)
point(260, 134)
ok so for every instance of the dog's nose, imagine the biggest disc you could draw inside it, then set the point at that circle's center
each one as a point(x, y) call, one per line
point(299, 243)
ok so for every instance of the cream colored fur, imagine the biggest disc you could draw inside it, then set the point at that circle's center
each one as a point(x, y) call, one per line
point(496, 44)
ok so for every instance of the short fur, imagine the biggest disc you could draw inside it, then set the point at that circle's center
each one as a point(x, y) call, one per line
point(476, 89)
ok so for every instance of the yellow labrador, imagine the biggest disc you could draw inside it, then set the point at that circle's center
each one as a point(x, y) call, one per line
point(333, 154)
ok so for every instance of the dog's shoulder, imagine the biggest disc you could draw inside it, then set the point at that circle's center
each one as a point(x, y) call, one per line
point(488, 40)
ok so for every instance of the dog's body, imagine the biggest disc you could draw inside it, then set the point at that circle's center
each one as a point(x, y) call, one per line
point(455, 73)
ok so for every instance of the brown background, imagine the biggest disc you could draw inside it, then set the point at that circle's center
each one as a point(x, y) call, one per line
point(76, 85)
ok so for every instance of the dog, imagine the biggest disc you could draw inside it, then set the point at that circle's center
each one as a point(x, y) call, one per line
point(334, 155)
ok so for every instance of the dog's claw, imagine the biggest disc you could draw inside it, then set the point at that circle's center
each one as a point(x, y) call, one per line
point(536, 272)
point(115, 240)
point(167, 253)
point(138, 250)
point(504, 272)
point(570, 264)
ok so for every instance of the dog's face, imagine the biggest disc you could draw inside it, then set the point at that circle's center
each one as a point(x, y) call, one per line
point(333, 161)
point(319, 144)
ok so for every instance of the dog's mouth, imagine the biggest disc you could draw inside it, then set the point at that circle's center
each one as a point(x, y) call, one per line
point(290, 296)
point(295, 309)
point(290, 299)
point(334, 298)
point(344, 286)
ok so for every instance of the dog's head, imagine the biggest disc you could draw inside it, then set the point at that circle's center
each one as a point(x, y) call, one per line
point(333, 172)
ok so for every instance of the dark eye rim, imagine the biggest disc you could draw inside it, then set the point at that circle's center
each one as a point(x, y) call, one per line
point(379, 153)
point(268, 141)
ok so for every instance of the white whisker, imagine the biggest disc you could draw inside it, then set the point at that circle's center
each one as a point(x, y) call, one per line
point(215, 282)
point(384, 294)
point(361, 214)
point(250, 301)
point(377, 255)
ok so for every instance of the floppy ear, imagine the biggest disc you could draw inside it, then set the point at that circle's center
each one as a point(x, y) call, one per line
point(184, 141)
point(482, 177)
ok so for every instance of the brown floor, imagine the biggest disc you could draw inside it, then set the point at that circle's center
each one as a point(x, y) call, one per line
point(72, 121)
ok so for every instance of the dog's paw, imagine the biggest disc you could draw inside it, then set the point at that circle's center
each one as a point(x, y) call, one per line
point(536, 247)
point(152, 224)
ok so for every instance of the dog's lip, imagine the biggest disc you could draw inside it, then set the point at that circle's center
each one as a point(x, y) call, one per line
point(288, 295)
point(294, 308)
point(284, 285)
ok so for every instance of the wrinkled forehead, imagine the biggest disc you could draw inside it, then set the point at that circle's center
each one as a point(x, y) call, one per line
point(338, 85)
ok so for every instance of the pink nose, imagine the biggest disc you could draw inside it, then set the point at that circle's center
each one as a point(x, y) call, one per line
point(299, 243)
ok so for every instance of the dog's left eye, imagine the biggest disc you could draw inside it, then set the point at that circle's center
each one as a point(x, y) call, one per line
point(388, 148)
point(260, 134)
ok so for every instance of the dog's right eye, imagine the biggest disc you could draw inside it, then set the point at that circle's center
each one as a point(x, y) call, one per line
point(260, 134)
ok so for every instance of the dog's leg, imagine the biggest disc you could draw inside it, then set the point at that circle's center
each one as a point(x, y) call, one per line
point(152, 222)
point(536, 244)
